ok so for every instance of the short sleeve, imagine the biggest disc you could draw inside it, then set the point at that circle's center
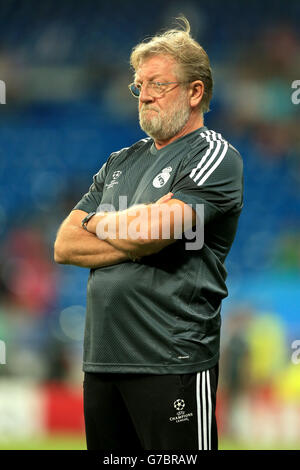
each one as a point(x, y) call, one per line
point(92, 199)
point(213, 177)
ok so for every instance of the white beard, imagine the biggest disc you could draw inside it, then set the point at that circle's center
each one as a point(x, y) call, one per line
point(163, 125)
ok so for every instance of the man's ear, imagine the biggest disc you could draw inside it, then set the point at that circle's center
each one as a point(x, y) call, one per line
point(196, 93)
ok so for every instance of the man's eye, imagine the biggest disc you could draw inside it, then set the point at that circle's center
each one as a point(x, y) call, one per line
point(157, 85)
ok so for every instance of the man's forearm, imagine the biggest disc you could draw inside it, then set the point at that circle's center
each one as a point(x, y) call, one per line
point(78, 247)
point(143, 229)
point(107, 256)
point(117, 229)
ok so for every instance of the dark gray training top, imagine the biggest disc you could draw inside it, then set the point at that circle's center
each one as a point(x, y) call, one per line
point(161, 315)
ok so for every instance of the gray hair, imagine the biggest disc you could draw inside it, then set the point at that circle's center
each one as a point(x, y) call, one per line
point(193, 62)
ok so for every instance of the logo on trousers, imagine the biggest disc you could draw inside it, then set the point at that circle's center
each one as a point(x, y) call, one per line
point(181, 415)
point(179, 404)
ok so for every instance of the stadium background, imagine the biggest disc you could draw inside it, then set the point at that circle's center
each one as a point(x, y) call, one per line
point(65, 65)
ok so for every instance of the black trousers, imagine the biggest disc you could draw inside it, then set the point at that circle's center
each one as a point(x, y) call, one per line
point(136, 412)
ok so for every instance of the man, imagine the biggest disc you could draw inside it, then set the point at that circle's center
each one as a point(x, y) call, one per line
point(152, 332)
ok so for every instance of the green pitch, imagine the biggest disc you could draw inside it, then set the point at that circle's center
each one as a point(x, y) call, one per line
point(67, 442)
point(57, 442)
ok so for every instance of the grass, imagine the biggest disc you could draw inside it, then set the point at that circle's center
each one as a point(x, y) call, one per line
point(69, 442)
point(56, 442)
point(234, 445)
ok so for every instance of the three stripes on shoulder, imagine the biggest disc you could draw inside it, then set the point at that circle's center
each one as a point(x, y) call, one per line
point(212, 158)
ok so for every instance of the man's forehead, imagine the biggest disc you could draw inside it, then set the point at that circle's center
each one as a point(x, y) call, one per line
point(155, 65)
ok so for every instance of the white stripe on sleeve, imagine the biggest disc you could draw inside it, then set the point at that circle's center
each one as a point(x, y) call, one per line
point(212, 158)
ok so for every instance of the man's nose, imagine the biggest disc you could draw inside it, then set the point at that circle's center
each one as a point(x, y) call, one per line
point(145, 97)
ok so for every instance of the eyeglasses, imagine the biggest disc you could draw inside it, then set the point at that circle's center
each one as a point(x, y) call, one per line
point(157, 89)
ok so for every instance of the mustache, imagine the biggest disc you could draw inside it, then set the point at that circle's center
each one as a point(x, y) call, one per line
point(148, 108)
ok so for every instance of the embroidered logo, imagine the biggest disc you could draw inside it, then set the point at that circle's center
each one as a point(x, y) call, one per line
point(115, 176)
point(181, 414)
point(179, 404)
point(161, 179)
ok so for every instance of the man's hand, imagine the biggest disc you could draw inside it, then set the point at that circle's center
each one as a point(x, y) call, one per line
point(164, 198)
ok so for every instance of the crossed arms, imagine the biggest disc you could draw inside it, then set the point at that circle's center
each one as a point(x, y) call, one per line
point(84, 248)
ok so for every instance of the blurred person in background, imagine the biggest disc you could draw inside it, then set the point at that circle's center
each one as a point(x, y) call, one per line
point(152, 334)
point(28, 293)
point(234, 363)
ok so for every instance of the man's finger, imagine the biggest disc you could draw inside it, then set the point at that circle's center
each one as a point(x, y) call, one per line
point(164, 198)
